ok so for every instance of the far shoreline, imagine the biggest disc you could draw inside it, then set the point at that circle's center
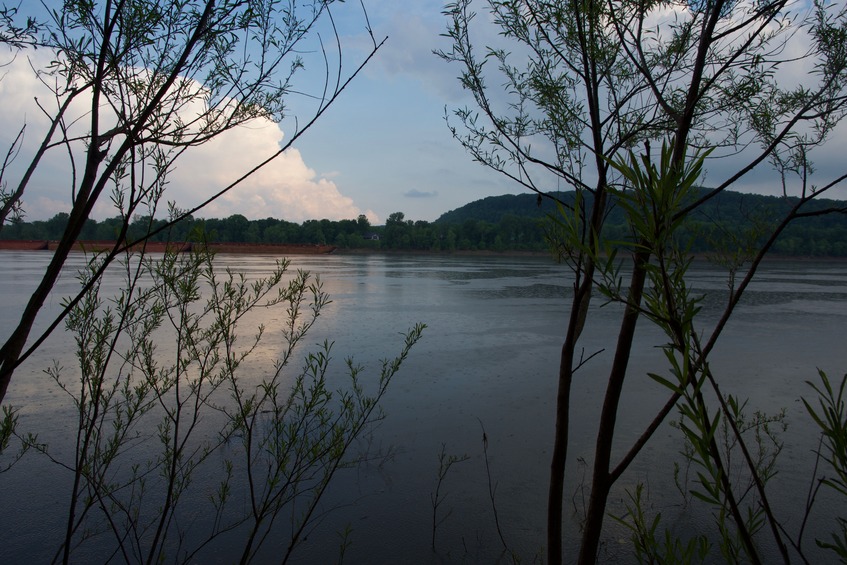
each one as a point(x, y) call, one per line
point(294, 249)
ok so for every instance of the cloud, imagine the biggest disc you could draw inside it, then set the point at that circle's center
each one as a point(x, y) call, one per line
point(414, 30)
point(287, 188)
point(415, 193)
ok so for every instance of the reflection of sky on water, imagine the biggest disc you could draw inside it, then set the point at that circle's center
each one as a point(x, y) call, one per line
point(490, 353)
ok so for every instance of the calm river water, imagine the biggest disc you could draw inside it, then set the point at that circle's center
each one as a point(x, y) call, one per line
point(488, 358)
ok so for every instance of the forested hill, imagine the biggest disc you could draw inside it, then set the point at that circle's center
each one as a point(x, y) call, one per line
point(493, 208)
point(731, 219)
point(728, 206)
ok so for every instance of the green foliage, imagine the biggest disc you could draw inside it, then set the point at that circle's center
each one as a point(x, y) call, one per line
point(135, 85)
point(566, 97)
point(659, 193)
point(649, 545)
point(445, 463)
point(725, 477)
point(275, 437)
point(8, 434)
point(732, 486)
point(831, 417)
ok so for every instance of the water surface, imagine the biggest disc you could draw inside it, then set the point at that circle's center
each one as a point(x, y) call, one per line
point(489, 359)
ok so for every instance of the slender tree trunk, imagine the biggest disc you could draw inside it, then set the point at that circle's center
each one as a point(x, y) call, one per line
point(601, 482)
point(560, 443)
point(11, 351)
point(576, 323)
point(91, 186)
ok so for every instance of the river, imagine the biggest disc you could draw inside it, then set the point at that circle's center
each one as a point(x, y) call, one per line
point(488, 360)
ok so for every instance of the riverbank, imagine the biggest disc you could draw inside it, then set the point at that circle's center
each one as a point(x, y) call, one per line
point(100, 246)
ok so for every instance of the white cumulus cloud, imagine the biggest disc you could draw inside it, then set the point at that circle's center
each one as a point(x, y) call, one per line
point(287, 188)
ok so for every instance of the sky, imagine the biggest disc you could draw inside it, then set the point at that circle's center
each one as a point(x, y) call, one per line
point(383, 147)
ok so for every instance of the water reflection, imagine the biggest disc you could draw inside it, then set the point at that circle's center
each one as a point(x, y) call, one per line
point(489, 355)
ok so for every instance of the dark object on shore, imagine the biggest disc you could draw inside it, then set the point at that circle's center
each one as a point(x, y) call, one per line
point(23, 244)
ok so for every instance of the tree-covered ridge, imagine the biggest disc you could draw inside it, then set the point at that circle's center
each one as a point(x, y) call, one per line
point(720, 221)
point(512, 222)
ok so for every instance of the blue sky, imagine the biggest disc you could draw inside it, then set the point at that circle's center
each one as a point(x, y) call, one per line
point(407, 160)
point(383, 147)
point(386, 141)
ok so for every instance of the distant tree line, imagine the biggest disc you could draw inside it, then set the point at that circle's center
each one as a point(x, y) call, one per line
point(512, 233)
point(497, 223)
